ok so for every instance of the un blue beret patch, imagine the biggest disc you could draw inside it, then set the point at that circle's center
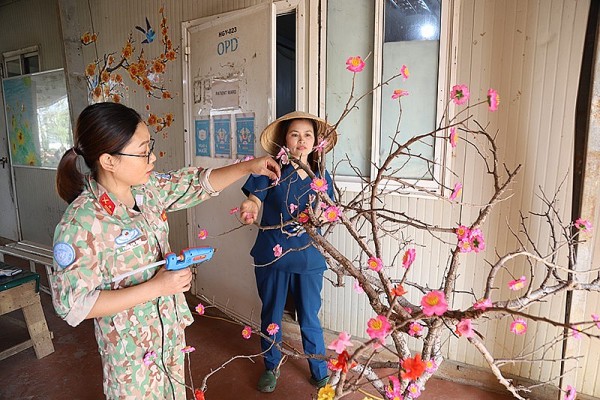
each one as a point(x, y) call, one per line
point(64, 254)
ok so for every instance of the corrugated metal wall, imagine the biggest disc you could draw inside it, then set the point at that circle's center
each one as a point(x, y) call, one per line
point(530, 52)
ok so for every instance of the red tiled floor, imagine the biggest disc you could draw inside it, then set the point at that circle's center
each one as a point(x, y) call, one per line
point(73, 371)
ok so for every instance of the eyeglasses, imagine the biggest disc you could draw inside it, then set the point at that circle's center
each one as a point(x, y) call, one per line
point(147, 156)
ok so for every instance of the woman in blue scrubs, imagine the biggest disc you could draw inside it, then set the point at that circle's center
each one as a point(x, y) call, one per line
point(300, 266)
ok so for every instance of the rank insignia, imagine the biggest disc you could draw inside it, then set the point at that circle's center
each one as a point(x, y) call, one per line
point(107, 203)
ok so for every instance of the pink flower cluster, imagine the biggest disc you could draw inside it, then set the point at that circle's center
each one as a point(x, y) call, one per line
point(470, 240)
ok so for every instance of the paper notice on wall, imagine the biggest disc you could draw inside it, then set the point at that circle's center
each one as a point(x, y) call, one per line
point(244, 134)
point(225, 94)
point(222, 135)
point(202, 130)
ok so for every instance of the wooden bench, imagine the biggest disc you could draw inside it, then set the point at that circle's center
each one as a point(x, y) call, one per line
point(20, 292)
point(35, 253)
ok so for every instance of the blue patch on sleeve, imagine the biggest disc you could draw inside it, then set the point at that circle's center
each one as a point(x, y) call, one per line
point(64, 254)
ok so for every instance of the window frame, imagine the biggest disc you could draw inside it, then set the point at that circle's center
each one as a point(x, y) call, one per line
point(21, 55)
point(447, 71)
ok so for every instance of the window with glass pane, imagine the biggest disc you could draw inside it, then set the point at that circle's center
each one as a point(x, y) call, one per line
point(39, 128)
point(410, 35)
point(411, 38)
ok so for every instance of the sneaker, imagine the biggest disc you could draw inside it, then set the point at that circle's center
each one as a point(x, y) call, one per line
point(319, 383)
point(268, 381)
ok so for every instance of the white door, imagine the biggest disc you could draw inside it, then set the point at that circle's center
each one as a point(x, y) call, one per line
point(8, 216)
point(229, 81)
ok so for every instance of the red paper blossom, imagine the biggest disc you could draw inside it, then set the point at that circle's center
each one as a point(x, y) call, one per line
point(341, 363)
point(198, 394)
point(413, 368)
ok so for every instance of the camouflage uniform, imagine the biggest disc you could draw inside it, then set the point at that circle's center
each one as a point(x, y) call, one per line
point(98, 239)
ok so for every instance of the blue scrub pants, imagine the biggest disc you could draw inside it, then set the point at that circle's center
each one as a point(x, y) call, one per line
point(273, 286)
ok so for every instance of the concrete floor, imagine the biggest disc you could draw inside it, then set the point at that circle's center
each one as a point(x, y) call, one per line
point(73, 371)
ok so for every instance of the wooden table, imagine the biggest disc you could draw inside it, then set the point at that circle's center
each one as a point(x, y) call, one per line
point(21, 292)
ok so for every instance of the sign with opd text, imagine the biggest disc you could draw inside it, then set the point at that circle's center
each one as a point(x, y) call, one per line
point(231, 63)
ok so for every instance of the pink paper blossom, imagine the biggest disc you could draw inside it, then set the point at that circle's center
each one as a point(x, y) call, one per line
point(277, 250)
point(378, 327)
point(477, 240)
point(414, 390)
point(200, 309)
point(583, 225)
point(493, 99)
point(203, 234)
point(482, 304)
point(355, 64)
point(357, 287)
point(375, 264)
point(575, 332)
point(596, 319)
point(340, 344)
point(460, 94)
point(571, 393)
point(465, 328)
point(453, 137)
point(415, 329)
point(456, 192)
point(462, 232)
point(319, 147)
point(399, 93)
point(465, 246)
point(283, 155)
point(247, 332)
point(409, 258)
point(188, 349)
point(272, 329)
point(518, 326)
point(404, 72)
point(394, 390)
point(430, 366)
point(319, 185)
point(517, 284)
point(332, 213)
point(434, 303)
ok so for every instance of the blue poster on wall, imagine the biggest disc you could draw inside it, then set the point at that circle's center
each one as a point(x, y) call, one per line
point(244, 134)
point(203, 137)
point(222, 134)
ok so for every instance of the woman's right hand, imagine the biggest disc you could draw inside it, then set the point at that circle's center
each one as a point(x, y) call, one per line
point(172, 282)
point(248, 211)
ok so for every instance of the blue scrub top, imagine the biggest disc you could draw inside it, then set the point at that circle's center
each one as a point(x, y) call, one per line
point(276, 202)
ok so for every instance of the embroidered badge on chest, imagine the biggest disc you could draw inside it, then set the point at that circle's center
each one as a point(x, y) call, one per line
point(127, 236)
point(64, 254)
point(163, 215)
point(107, 203)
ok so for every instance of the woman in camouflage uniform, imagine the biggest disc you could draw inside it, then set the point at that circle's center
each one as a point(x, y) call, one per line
point(117, 222)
